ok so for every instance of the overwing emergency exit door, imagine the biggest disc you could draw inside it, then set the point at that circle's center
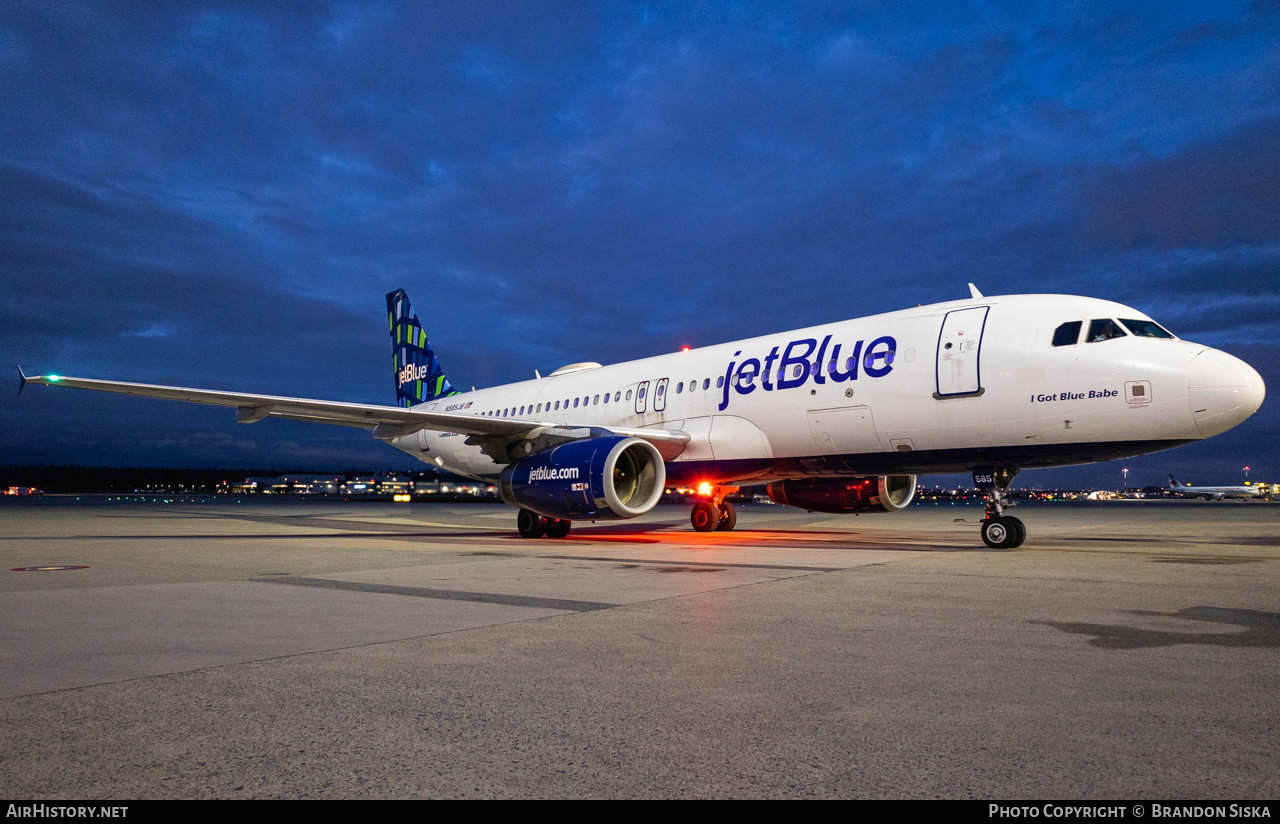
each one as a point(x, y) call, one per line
point(958, 366)
point(660, 396)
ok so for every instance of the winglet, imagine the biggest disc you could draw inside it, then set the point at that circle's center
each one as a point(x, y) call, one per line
point(22, 379)
point(973, 292)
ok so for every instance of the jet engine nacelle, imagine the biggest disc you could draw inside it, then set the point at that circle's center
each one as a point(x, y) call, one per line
point(842, 495)
point(595, 479)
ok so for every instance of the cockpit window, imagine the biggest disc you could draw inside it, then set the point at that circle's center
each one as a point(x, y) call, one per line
point(1068, 333)
point(1104, 329)
point(1145, 328)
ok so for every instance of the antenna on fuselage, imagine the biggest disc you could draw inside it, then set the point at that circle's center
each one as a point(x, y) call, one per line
point(973, 292)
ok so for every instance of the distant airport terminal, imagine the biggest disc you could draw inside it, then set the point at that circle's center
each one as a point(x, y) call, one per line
point(405, 487)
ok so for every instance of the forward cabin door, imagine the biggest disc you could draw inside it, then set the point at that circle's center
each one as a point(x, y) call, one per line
point(660, 396)
point(641, 402)
point(959, 349)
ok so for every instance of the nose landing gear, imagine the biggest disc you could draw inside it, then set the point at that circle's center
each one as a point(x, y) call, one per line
point(1000, 531)
point(715, 513)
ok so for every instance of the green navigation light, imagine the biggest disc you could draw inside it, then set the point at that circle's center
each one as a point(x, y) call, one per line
point(54, 378)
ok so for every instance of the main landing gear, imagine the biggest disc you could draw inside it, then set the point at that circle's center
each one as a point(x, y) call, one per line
point(533, 525)
point(1000, 531)
point(715, 513)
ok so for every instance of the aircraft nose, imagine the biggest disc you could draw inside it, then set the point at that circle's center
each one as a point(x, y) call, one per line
point(1223, 391)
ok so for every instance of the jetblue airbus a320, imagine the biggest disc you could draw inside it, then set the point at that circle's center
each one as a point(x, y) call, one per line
point(839, 417)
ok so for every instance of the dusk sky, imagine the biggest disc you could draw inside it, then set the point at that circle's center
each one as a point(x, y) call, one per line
point(221, 194)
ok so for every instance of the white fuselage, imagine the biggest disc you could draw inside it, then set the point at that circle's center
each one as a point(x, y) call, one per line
point(942, 388)
point(1216, 492)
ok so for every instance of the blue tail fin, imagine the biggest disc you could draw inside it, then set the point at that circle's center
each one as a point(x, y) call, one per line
point(419, 376)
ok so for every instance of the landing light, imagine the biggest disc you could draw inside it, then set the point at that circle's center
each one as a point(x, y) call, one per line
point(704, 488)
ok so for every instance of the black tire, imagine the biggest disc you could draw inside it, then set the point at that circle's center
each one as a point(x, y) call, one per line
point(530, 524)
point(558, 527)
point(705, 517)
point(998, 533)
point(728, 517)
point(1020, 531)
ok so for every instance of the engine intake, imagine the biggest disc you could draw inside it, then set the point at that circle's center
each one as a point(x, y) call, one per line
point(609, 478)
point(842, 495)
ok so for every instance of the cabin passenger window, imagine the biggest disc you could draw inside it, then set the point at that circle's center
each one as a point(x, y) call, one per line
point(1145, 328)
point(679, 387)
point(1068, 333)
point(557, 405)
point(575, 403)
point(628, 394)
point(1104, 329)
point(617, 396)
point(719, 382)
point(597, 400)
point(606, 397)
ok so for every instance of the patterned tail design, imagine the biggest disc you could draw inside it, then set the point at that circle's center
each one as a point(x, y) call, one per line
point(419, 376)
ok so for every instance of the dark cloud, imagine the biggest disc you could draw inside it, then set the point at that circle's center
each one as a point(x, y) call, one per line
point(1218, 194)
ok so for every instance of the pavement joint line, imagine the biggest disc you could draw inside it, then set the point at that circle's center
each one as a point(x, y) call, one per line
point(446, 594)
point(692, 563)
point(1151, 553)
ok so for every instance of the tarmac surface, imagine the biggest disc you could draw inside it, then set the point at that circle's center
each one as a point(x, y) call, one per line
point(1127, 650)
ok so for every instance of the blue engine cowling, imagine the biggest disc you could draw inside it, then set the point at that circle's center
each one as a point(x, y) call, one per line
point(887, 493)
point(596, 479)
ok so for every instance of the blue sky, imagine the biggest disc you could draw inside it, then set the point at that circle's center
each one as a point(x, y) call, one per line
point(221, 194)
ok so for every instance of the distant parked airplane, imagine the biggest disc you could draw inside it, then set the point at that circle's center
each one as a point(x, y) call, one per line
point(1213, 492)
point(840, 417)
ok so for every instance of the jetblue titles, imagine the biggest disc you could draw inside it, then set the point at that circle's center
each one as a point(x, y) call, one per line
point(803, 359)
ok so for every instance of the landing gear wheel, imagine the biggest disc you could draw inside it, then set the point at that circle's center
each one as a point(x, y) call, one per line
point(1020, 530)
point(728, 517)
point(998, 533)
point(558, 527)
point(705, 517)
point(530, 524)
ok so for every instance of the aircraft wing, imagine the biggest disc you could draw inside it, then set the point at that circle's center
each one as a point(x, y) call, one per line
point(386, 421)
